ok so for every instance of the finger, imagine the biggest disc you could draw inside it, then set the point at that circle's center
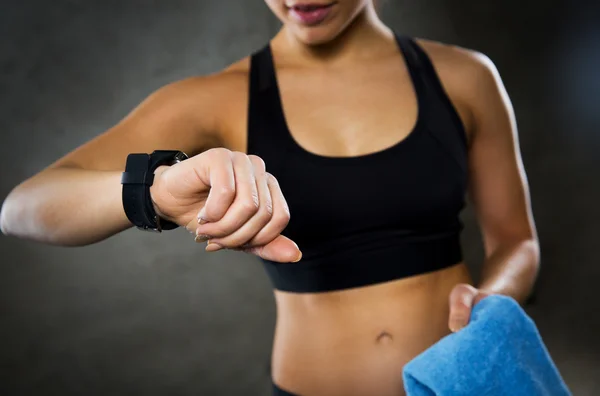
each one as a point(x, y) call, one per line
point(281, 249)
point(221, 179)
point(245, 204)
point(461, 303)
point(279, 218)
point(262, 217)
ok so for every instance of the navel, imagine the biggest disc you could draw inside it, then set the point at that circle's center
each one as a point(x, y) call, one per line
point(384, 338)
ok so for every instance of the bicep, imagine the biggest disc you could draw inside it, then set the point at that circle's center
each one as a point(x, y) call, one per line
point(168, 119)
point(498, 183)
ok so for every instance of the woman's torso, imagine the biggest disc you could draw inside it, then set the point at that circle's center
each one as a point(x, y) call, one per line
point(351, 342)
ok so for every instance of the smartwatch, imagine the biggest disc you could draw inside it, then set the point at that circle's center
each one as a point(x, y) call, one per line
point(136, 181)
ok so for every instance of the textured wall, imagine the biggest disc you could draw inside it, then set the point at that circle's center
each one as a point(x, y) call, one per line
point(154, 315)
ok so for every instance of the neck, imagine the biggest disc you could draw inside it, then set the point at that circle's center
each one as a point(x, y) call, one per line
point(363, 38)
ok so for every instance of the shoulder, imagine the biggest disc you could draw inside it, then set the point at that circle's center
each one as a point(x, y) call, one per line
point(459, 63)
point(470, 77)
point(214, 88)
point(207, 102)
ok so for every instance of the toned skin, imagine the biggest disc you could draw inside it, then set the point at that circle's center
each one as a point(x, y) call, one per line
point(346, 92)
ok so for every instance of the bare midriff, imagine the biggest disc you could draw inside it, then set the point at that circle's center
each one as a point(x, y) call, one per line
point(356, 342)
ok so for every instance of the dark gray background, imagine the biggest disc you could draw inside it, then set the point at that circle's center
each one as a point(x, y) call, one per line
point(154, 315)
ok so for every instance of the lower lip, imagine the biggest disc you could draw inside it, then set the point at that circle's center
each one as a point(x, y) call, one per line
point(313, 17)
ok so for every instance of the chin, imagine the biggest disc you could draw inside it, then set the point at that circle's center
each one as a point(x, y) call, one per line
point(314, 25)
point(315, 36)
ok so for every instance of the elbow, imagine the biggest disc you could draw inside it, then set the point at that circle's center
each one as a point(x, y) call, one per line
point(523, 244)
point(4, 230)
point(20, 215)
point(527, 249)
point(527, 254)
point(6, 214)
point(532, 247)
point(522, 255)
point(17, 214)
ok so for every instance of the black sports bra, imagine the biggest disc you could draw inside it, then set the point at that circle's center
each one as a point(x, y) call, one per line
point(404, 218)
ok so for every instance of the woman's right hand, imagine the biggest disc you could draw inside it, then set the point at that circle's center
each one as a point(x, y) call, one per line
point(228, 199)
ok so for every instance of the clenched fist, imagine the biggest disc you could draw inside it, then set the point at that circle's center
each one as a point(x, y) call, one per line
point(228, 199)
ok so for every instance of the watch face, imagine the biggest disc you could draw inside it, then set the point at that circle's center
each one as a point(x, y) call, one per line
point(150, 229)
point(170, 157)
point(180, 156)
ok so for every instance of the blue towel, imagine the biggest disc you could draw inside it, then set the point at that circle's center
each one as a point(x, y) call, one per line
point(499, 353)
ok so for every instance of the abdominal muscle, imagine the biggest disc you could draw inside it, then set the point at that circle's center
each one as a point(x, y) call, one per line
point(355, 342)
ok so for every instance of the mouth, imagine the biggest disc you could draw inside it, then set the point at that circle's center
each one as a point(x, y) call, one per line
point(310, 14)
point(307, 7)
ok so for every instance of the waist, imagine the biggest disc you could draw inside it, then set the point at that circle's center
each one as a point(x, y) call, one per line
point(326, 339)
point(359, 265)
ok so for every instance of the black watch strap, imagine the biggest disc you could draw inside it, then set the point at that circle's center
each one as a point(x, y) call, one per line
point(136, 181)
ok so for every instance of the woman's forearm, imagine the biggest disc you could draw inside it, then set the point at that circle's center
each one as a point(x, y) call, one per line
point(66, 206)
point(512, 270)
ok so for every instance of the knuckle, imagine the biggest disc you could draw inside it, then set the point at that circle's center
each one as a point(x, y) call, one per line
point(209, 214)
point(281, 218)
point(239, 156)
point(284, 212)
point(250, 206)
point(257, 162)
point(264, 215)
point(225, 191)
point(219, 152)
point(271, 179)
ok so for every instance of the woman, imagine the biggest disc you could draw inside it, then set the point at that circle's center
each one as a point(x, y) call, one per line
point(371, 138)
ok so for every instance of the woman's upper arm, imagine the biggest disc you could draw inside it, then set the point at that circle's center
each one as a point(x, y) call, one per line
point(498, 184)
point(183, 115)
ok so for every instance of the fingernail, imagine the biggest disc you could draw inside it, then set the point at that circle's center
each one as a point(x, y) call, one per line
point(213, 247)
point(201, 216)
point(299, 251)
point(202, 238)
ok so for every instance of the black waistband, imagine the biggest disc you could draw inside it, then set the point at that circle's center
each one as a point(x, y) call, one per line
point(344, 271)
